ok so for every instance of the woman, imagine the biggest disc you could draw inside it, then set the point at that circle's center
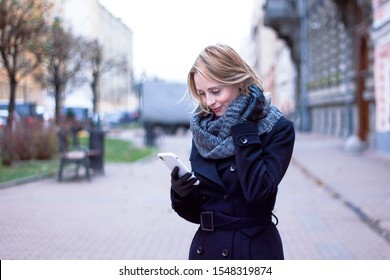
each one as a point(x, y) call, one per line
point(241, 149)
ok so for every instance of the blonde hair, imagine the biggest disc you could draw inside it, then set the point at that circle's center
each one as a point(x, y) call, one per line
point(223, 64)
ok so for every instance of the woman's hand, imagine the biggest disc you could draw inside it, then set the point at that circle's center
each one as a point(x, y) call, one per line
point(254, 112)
point(256, 93)
point(182, 185)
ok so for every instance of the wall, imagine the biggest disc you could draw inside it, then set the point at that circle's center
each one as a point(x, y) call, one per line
point(381, 38)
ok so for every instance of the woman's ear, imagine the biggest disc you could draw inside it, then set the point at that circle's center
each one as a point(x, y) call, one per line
point(242, 87)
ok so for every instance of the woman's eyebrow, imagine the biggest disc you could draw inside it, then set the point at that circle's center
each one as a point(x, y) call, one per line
point(214, 87)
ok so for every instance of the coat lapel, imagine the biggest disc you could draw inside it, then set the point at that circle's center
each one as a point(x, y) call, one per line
point(204, 167)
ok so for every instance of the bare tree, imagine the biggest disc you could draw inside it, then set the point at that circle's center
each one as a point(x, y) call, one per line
point(22, 31)
point(65, 58)
point(98, 66)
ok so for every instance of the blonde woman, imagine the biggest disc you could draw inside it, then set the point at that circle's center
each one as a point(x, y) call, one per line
point(241, 149)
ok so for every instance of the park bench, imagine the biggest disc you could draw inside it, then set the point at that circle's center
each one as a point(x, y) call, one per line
point(71, 152)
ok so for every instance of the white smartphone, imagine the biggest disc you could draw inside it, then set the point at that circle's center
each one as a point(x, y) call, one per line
point(171, 160)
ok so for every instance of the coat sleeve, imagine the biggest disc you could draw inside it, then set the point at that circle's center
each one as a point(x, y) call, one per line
point(260, 168)
point(188, 208)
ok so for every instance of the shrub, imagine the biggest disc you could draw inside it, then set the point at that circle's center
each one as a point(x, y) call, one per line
point(45, 143)
point(32, 140)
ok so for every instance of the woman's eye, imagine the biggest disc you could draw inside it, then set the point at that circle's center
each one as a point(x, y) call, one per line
point(216, 91)
point(200, 93)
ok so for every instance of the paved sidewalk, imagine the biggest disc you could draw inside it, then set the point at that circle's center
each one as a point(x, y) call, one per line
point(331, 205)
point(124, 214)
point(360, 181)
point(334, 204)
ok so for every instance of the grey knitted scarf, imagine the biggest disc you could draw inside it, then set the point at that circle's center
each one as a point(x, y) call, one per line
point(212, 135)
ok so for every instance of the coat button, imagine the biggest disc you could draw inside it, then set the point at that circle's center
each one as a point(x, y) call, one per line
point(225, 252)
point(199, 250)
point(243, 140)
point(233, 168)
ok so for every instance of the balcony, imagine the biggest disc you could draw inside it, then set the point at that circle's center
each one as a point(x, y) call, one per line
point(283, 17)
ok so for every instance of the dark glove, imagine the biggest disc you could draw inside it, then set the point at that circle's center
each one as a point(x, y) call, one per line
point(257, 93)
point(183, 185)
point(254, 112)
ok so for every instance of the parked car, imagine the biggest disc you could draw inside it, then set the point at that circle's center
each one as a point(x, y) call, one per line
point(27, 111)
point(3, 121)
point(82, 115)
point(111, 120)
point(79, 113)
point(128, 117)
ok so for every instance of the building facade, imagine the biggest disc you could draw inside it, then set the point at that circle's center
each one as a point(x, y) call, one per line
point(27, 91)
point(381, 41)
point(88, 18)
point(336, 45)
point(272, 61)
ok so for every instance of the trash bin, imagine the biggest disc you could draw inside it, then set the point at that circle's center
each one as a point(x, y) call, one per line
point(96, 150)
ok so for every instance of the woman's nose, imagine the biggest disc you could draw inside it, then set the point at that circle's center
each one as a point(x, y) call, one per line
point(210, 100)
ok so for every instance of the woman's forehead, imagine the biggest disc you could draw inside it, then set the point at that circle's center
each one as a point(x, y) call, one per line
point(205, 82)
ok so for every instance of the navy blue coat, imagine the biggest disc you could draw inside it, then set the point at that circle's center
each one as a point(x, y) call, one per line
point(233, 203)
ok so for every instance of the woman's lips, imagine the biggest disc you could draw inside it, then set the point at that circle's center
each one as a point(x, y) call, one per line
point(215, 110)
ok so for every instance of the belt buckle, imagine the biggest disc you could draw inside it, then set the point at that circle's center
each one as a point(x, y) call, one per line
point(204, 216)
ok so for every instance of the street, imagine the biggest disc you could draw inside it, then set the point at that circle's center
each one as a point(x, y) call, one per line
point(331, 205)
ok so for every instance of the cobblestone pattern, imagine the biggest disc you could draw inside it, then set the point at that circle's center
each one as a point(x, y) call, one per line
point(126, 213)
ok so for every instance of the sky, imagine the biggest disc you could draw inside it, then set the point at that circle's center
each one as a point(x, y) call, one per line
point(168, 35)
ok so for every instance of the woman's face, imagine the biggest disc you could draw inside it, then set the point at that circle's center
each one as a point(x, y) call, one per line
point(216, 96)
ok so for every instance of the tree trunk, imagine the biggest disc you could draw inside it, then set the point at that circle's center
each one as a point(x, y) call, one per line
point(58, 103)
point(95, 92)
point(7, 141)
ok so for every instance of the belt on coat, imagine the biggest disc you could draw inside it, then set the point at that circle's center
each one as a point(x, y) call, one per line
point(209, 221)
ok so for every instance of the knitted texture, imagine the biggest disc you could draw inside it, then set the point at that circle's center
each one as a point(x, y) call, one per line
point(212, 135)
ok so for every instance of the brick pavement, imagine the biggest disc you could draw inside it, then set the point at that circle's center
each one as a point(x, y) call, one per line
point(126, 213)
point(349, 200)
point(316, 225)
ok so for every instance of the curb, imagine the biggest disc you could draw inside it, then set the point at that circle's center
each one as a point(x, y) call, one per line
point(25, 180)
point(30, 179)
